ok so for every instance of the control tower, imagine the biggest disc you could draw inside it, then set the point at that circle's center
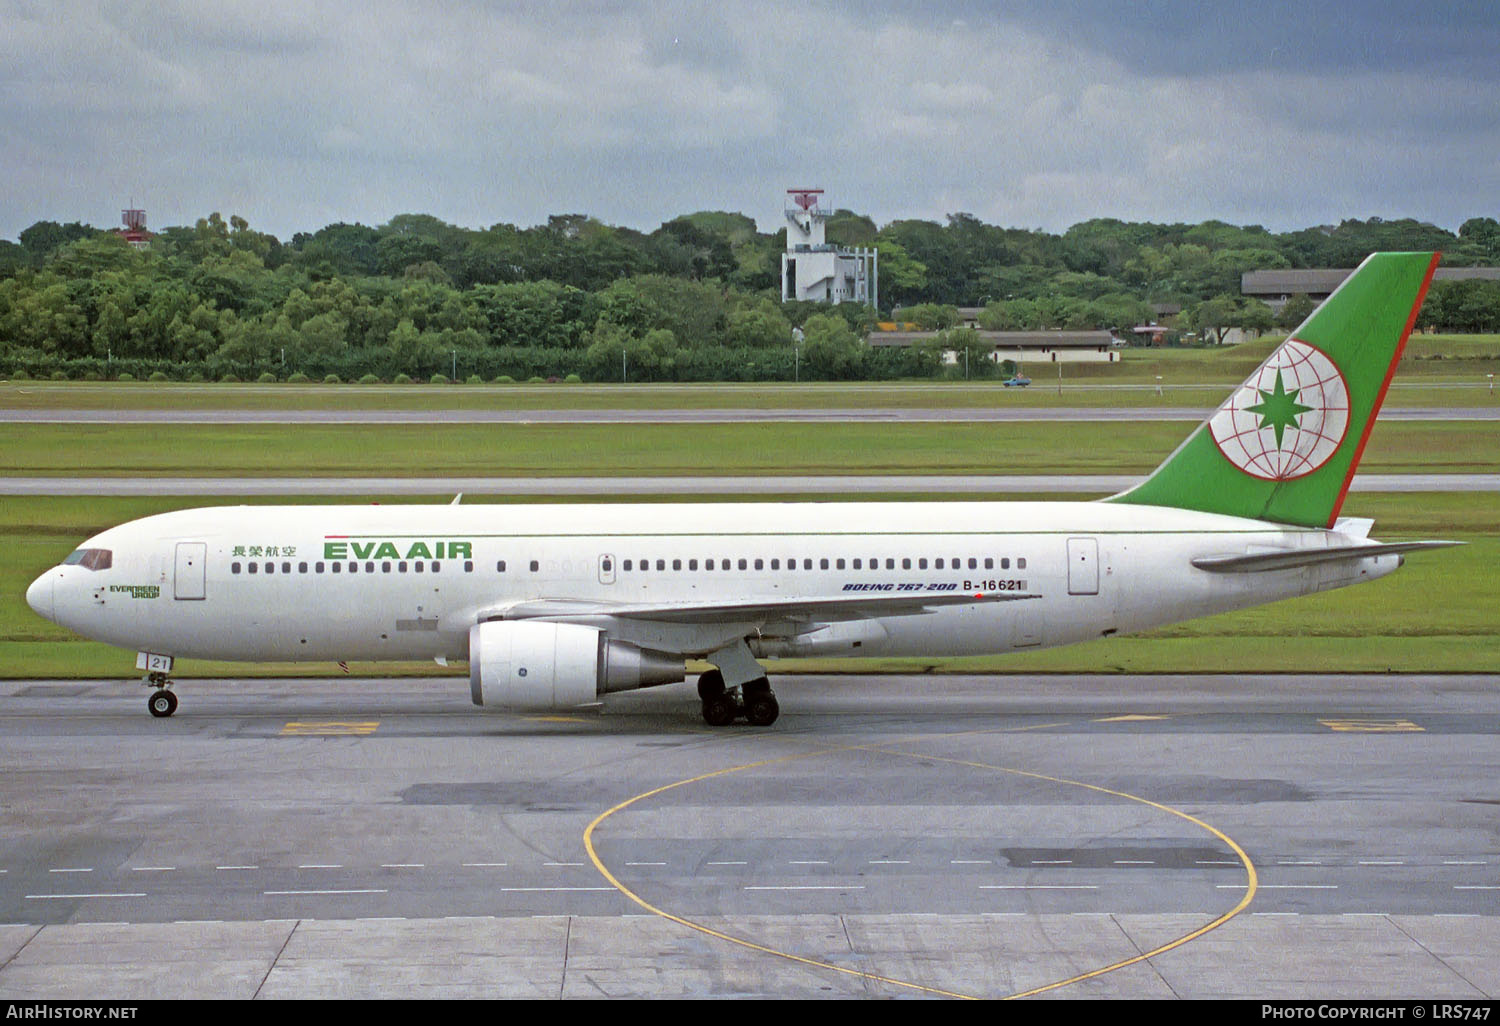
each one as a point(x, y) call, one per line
point(814, 271)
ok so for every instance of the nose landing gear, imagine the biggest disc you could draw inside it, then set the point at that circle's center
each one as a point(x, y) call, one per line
point(162, 702)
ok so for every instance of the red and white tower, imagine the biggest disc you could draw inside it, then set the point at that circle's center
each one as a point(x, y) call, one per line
point(135, 231)
point(813, 270)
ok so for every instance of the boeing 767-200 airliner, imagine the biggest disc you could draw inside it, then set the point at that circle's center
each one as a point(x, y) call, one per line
point(554, 606)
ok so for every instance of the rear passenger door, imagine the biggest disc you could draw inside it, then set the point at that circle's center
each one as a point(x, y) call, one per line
point(1083, 566)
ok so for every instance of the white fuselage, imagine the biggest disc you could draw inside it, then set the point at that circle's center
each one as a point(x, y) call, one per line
point(408, 582)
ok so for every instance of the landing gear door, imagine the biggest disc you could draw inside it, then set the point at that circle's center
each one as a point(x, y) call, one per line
point(188, 578)
point(1083, 566)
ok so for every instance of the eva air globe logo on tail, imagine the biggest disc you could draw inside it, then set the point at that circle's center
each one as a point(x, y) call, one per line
point(1288, 419)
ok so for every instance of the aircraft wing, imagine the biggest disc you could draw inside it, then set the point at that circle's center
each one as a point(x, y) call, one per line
point(841, 607)
point(1261, 562)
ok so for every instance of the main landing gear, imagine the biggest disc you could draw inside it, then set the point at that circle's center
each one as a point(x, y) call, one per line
point(162, 702)
point(755, 701)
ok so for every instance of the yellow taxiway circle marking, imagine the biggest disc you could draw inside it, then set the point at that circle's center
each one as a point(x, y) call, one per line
point(1251, 884)
point(329, 729)
point(1373, 726)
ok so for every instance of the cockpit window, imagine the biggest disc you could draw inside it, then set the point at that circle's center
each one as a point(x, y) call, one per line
point(91, 559)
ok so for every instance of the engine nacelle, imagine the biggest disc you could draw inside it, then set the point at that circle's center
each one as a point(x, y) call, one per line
point(535, 665)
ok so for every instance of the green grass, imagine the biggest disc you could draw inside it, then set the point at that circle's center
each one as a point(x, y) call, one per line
point(1440, 613)
point(1078, 447)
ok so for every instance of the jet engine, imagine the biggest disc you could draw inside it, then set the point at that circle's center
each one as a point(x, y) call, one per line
point(535, 665)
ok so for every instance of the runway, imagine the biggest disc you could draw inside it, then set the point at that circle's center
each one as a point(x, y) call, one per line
point(898, 415)
point(1073, 836)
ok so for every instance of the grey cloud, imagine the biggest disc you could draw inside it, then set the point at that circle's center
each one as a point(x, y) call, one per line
point(1025, 114)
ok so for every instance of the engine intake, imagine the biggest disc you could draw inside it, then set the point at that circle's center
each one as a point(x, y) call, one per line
point(535, 665)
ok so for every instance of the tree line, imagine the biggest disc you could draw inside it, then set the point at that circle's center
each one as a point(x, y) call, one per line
point(696, 299)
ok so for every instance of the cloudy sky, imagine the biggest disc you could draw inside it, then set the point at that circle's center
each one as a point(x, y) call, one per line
point(1033, 113)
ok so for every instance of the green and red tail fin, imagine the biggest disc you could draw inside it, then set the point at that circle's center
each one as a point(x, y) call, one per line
point(1285, 445)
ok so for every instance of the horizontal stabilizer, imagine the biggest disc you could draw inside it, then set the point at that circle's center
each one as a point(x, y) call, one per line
point(1261, 562)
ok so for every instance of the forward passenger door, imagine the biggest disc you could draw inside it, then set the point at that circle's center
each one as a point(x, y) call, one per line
point(188, 575)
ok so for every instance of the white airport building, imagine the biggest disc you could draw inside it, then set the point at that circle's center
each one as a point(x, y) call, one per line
point(814, 271)
point(1022, 347)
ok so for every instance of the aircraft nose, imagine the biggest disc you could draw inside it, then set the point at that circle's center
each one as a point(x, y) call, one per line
point(39, 595)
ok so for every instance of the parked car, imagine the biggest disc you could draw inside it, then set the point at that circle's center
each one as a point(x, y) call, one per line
point(1019, 381)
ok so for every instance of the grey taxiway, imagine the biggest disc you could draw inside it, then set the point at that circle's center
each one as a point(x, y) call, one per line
point(1074, 836)
point(736, 415)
